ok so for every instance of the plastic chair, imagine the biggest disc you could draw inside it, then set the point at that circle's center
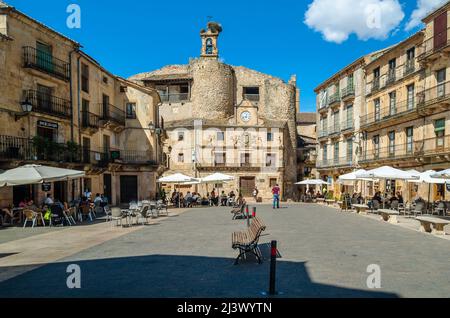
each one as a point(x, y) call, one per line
point(30, 216)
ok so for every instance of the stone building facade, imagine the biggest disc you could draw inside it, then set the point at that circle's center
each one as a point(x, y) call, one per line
point(223, 118)
point(306, 146)
point(60, 107)
point(404, 115)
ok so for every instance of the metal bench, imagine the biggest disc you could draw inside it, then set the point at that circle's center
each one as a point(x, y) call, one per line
point(438, 224)
point(247, 241)
point(389, 215)
point(239, 211)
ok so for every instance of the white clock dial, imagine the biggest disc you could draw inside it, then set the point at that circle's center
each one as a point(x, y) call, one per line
point(246, 116)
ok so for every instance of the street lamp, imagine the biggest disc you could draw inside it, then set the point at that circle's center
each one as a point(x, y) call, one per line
point(27, 107)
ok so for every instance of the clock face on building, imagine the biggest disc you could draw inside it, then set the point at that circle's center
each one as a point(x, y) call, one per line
point(246, 116)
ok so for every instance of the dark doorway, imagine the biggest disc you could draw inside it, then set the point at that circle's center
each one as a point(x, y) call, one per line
point(107, 186)
point(128, 189)
point(247, 185)
point(60, 191)
point(21, 193)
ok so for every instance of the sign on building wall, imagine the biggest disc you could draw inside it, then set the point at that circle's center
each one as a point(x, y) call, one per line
point(46, 187)
point(47, 124)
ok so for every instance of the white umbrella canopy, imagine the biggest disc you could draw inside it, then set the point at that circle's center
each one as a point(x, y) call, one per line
point(177, 178)
point(441, 175)
point(217, 178)
point(34, 174)
point(353, 176)
point(426, 177)
point(312, 182)
point(387, 172)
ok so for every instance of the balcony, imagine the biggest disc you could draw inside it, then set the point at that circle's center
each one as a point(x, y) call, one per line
point(45, 62)
point(347, 125)
point(48, 104)
point(334, 129)
point(434, 99)
point(112, 115)
point(391, 77)
point(334, 99)
point(436, 146)
point(409, 68)
point(348, 92)
point(89, 120)
point(322, 134)
point(429, 49)
point(375, 87)
point(384, 154)
point(335, 163)
point(133, 157)
point(251, 97)
point(400, 112)
point(174, 98)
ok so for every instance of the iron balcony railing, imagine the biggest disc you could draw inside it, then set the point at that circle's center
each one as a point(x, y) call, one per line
point(24, 149)
point(409, 68)
point(251, 97)
point(334, 129)
point(335, 98)
point(49, 104)
point(434, 94)
point(349, 91)
point(45, 62)
point(174, 98)
point(112, 114)
point(323, 133)
point(430, 46)
point(89, 120)
point(347, 124)
point(389, 112)
point(391, 152)
point(391, 77)
point(433, 146)
point(335, 162)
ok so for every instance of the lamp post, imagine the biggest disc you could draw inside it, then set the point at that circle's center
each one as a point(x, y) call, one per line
point(27, 107)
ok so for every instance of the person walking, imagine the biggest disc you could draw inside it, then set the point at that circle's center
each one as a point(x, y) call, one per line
point(255, 194)
point(276, 196)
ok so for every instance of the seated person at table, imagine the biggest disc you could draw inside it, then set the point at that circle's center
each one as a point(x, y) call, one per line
point(376, 197)
point(393, 198)
point(23, 203)
point(400, 198)
point(98, 199)
point(181, 198)
point(223, 199)
point(49, 201)
point(214, 199)
point(104, 201)
point(359, 198)
point(188, 199)
point(195, 198)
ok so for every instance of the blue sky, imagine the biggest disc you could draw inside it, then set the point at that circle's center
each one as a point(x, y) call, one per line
point(133, 36)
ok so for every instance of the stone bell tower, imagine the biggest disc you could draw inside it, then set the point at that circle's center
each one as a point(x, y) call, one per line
point(209, 40)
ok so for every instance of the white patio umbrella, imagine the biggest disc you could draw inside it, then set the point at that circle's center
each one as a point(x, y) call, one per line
point(426, 177)
point(312, 182)
point(177, 179)
point(388, 173)
point(217, 178)
point(36, 174)
point(441, 175)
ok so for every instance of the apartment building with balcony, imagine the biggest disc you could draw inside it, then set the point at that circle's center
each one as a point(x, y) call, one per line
point(339, 102)
point(60, 107)
point(390, 120)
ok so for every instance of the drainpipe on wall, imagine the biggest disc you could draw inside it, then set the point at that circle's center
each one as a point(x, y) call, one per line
point(78, 112)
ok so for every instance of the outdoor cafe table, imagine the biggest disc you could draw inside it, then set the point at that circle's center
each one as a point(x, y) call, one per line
point(320, 200)
point(330, 202)
point(389, 215)
point(360, 208)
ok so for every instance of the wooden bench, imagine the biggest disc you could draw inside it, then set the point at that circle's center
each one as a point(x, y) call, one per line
point(389, 215)
point(360, 208)
point(247, 241)
point(239, 212)
point(438, 224)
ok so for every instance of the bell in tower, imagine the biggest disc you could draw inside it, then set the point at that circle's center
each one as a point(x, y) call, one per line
point(209, 40)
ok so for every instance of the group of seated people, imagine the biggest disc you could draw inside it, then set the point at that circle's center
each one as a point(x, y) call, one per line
point(52, 209)
point(178, 199)
point(387, 200)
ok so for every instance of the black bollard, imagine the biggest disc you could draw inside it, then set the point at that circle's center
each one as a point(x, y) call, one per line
point(273, 268)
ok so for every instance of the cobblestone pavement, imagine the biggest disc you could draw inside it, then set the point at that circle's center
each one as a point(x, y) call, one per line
point(324, 253)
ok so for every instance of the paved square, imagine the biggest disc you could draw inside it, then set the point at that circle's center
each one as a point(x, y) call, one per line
point(324, 253)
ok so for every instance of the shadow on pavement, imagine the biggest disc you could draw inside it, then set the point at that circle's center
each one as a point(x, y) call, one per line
point(162, 276)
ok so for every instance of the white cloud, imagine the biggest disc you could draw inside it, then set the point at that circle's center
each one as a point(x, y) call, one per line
point(423, 8)
point(368, 19)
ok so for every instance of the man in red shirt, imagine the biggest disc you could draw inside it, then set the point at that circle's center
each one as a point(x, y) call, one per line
point(276, 196)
